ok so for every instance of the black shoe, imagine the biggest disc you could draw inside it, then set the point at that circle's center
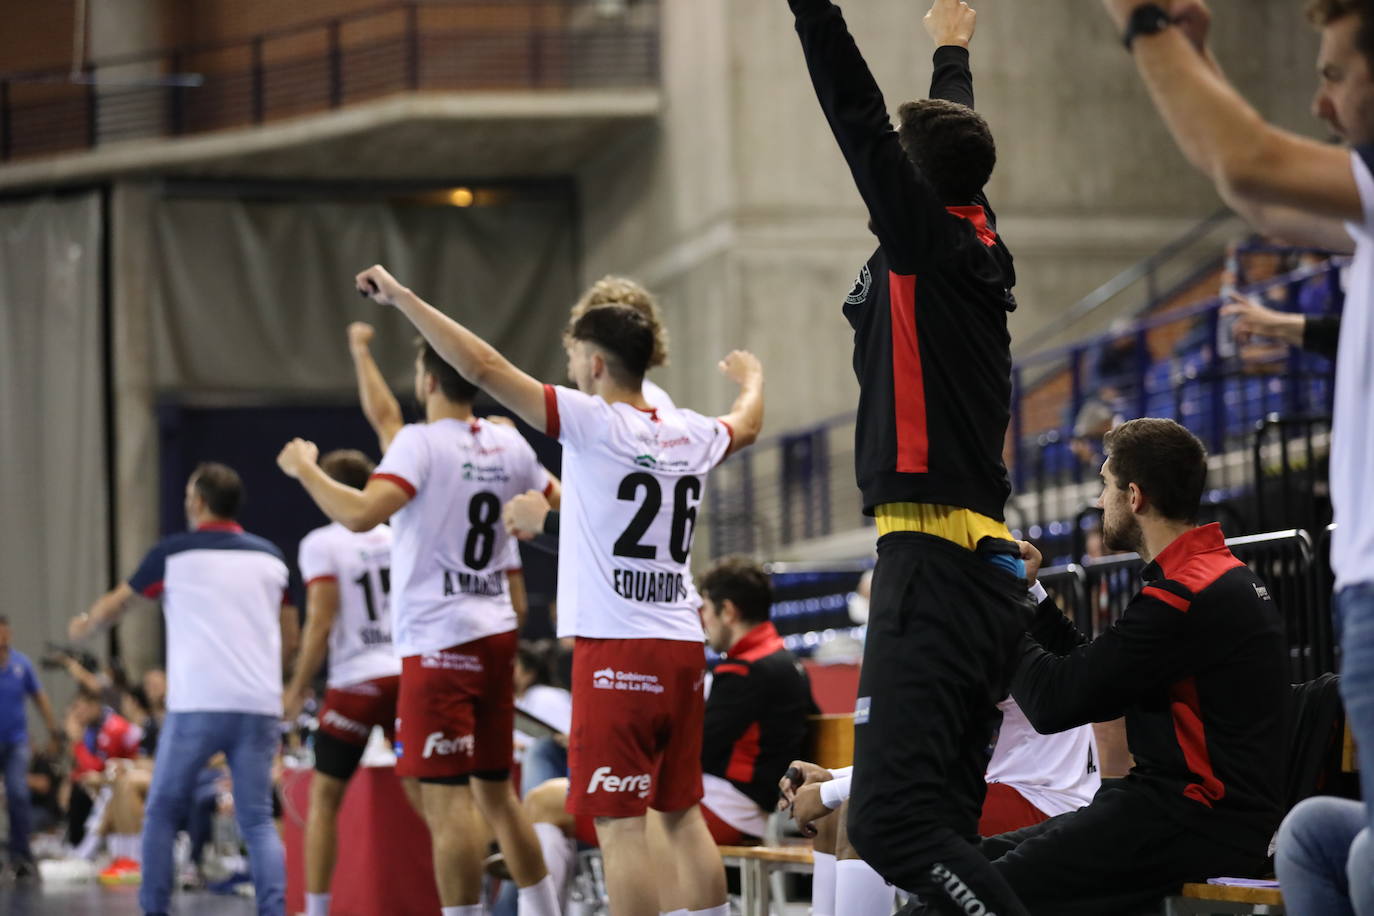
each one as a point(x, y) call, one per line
point(26, 870)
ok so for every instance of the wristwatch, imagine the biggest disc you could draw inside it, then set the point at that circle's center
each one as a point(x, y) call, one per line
point(1147, 19)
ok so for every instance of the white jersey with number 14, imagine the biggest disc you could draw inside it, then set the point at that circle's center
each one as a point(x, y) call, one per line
point(633, 483)
point(360, 562)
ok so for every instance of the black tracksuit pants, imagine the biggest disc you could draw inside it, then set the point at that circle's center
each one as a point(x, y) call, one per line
point(1119, 856)
point(943, 631)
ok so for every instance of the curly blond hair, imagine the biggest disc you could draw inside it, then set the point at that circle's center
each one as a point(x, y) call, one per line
point(612, 290)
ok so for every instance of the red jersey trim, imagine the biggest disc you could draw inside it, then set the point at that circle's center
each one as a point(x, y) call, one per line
point(732, 668)
point(221, 526)
point(979, 217)
point(1197, 558)
point(548, 488)
point(551, 424)
point(153, 590)
point(1192, 738)
point(326, 578)
point(731, 447)
point(908, 382)
point(760, 642)
point(398, 481)
point(745, 756)
point(1176, 602)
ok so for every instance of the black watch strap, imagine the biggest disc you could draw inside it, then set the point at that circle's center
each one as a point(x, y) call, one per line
point(1148, 19)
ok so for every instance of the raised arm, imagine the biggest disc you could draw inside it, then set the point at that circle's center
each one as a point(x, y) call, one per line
point(321, 608)
point(474, 358)
point(1222, 136)
point(356, 510)
point(950, 24)
point(906, 212)
point(380, 407)
point(745, 418)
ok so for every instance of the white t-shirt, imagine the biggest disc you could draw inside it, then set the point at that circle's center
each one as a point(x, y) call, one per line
point(656, 396)
point(222, 592)
point(633, 482)
point(1056, 773)
point(451, 552)
point(1352, 434)
point(360, 562)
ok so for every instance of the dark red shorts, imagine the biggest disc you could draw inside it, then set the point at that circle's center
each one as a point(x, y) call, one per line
point(350, 713)
point(638, 707)
point(456, 712)
point(584, 829)
point(1005, 810)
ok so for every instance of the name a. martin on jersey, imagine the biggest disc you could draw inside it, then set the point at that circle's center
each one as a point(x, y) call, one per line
point(652, 587)
point(490, 585)
point(491, 473)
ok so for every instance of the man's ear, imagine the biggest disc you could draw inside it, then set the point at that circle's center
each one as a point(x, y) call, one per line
point(728, 612)
point(598, 366)
point(1137, 498)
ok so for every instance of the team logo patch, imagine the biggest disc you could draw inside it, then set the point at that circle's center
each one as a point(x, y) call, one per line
point(632, 681)
point(646, 461)
point(603, 779)
point(859, 294)
point(604, 679)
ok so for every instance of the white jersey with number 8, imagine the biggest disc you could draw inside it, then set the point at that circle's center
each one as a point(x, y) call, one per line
point(452, 552)
point(360, 562)
point(634, 481)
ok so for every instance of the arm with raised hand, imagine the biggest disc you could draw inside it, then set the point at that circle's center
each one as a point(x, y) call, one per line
point(356, 510)
point(380, 407)
point(745, 418)
point(1225, 138)
point(475, 359)
point(950, 24)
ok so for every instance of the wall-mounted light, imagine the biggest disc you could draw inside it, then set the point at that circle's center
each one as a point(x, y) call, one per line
point(460, 197)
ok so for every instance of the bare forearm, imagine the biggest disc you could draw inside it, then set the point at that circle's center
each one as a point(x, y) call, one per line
point(341, 503)
point(748, 411)
point(380, 407)
point(472, 356)
point(314, 646)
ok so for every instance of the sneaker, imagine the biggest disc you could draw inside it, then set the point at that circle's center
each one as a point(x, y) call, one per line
point(122, 871)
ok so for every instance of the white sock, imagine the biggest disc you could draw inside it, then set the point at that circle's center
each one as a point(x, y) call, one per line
point(559, 853)
point(475, 909)
point(540, 899)
point(862, 889)
point(823, 884)
point(316, 905)
point(126, 846)
point(722, 910)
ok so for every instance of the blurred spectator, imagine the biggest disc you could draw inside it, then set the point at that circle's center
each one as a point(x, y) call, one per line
point(1095, 419)
point(17, 681)
point(545, 758)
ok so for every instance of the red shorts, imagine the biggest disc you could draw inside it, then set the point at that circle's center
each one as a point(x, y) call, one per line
point(456, 712)
point(349, 713)
point(1005, 810)
point(584, 829)
point(638, 707)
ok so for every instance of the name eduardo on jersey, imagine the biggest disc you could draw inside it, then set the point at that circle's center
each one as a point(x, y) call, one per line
point(649, 587)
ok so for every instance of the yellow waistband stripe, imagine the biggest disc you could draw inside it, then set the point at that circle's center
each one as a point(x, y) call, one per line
point(960, 526)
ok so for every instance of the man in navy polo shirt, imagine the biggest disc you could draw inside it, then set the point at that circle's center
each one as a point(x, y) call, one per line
point(17, 680)
point(223, 596)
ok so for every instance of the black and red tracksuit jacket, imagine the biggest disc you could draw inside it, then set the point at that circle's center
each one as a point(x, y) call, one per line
point(1198, 665)
point(756, 715)
point(929, 310)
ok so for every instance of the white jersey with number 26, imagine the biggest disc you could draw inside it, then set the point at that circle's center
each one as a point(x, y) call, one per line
point(633, 483)
point(360, 562)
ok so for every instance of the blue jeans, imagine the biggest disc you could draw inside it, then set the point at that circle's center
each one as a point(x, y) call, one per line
point(14, 760)
point(1325, 859)
point(1355, 630)
point(546, 759)
point(188, 741)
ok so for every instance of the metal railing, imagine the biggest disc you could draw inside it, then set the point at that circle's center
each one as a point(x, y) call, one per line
point(327, 64)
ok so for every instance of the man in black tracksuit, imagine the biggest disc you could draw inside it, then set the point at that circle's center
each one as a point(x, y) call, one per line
point(1197, 663)
point(932, 355)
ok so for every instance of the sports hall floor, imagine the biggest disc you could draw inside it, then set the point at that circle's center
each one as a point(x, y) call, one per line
point(94, 900)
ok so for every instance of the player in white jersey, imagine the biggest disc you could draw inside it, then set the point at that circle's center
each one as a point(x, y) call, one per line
point(454, 576)
point(347, 614)
point(635, 477)
point(1303, 192)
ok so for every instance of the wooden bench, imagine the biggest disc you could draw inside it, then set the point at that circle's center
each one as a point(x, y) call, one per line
point(1207, 899)
point(756, 866)
point(830, 740)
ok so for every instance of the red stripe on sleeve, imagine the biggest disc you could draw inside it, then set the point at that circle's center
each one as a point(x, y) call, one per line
point(328, 578)
point(1169, 598)
point(398, 481)
point(908, 382)
point(548, 488)
point(153, 590)
point(551, 423)
point(746, 754)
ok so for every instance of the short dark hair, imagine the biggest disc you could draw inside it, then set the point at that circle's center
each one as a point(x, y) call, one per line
point(623, 334)
point(536, 657)
point(742, 581)
point(1322, 13)
point(219, 485)
point(348, 466)
point(456, 388)
point(951, 144)
point(1167, 463)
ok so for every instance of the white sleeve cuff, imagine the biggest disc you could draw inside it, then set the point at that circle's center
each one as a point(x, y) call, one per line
point(1038, 592)
point(834, 792)
point(841, 773)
